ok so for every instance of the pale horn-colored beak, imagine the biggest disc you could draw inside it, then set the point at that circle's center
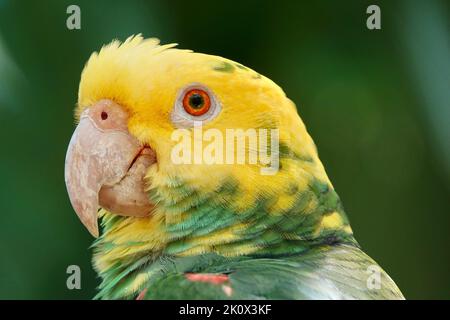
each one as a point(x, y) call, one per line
point(105, 166)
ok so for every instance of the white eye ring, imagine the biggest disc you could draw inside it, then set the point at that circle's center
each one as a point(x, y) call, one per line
point(182, 119)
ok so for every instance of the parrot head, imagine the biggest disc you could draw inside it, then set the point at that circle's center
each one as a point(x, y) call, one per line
point(151, 156)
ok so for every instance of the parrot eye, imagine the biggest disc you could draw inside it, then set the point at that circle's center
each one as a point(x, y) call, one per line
point(104, 115)
point(194, 102)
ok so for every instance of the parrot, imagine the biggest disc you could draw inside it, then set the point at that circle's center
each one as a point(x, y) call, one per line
point(171, 225)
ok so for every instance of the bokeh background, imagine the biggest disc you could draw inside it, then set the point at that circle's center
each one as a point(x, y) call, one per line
point(377, 104)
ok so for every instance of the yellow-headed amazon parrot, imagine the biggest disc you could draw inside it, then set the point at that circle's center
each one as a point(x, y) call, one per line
point(182, 216)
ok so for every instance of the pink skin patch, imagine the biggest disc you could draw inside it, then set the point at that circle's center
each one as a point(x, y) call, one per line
point(227, 290)
point(207, 277)
point(142, 294)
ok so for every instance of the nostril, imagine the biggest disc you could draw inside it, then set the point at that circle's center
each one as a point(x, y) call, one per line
point(104, 115)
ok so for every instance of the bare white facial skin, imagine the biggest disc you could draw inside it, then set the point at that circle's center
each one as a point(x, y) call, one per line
point(105, 166)
point(181, 119)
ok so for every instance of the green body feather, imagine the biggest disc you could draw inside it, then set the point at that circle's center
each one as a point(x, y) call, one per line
point(325, 272)
point(292, 262)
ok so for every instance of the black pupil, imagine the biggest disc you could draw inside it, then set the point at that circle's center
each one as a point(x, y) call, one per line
point(196, 101)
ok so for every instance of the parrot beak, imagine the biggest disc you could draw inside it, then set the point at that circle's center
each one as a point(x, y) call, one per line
point(105, 166)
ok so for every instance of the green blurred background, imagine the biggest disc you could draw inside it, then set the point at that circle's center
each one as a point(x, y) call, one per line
point(377, 104)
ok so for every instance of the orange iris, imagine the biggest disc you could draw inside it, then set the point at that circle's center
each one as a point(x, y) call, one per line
point(196, 102)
